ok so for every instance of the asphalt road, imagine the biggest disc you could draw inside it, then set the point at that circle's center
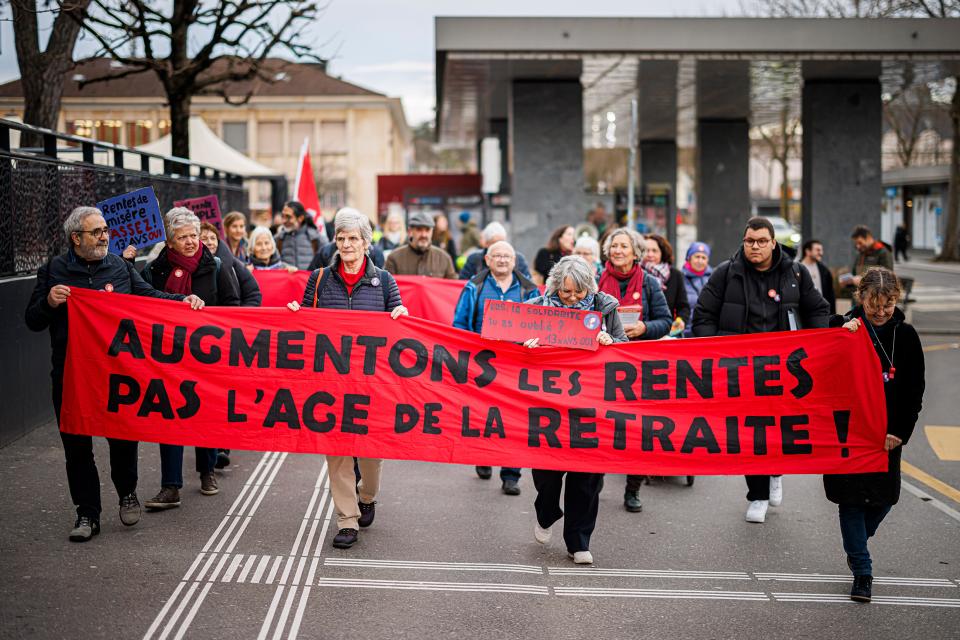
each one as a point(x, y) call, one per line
point(450, 556)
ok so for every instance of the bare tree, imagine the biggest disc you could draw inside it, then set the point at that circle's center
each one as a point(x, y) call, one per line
point(774, 85)
point(42, 71)
point(239, 38)
point(906, 111)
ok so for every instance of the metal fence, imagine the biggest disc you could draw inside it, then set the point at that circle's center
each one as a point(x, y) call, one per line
point(40, 186)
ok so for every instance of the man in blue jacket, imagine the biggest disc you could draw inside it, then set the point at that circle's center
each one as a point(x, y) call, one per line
point(87, 265)
point(498, 280)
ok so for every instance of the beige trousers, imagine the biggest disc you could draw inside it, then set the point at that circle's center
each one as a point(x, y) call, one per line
point(344, 489)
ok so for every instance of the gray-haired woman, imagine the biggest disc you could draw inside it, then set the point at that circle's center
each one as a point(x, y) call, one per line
point(570, 284)
point(352, 282)
point(186, 266)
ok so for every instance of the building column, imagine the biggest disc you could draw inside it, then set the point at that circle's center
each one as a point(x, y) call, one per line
point(842, 131)
point(657, 132)
point(546, 143)
point(723, 155)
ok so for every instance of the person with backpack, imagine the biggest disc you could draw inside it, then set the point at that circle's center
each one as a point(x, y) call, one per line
point(185, 266)
point(352, 282)
point(498, 280)
point(759, 290)
point(299, 239)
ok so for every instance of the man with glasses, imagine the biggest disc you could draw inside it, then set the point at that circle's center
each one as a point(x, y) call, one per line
point(759, 290)
point(88, 265)
point(499, 280)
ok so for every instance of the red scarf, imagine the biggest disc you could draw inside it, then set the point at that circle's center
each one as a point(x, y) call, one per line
point(611, 279)
point(180, 279)
point(351, 279)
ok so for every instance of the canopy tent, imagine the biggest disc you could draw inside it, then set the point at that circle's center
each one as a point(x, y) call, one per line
point(208, 149)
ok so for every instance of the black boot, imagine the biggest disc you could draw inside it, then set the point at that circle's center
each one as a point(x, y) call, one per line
point(862, 587)
point(631, 501)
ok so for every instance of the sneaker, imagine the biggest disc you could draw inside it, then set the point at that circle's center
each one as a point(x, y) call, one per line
point(511, 488)
point(581, 557)
point(84, 529)
point(345, 538)
point(757, 511)
point(540, 534)
point(776, 491)
point(484, 472)
point(862, 587)
point(168, 498)
point(208, 484)
point(631, 501)
point(130, 509)
point(223, 458)
point(367, 513)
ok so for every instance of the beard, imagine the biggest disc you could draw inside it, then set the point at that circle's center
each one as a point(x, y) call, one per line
point(97, 252)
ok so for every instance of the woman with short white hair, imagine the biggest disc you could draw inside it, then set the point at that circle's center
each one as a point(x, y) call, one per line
point(352, 282)
point(263, 252)
point(187, 267)
point(570, 284)
point(589, 249)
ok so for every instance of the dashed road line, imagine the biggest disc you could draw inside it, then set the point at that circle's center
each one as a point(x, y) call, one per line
point(878, 580)
point(432, 566)
point(416, 585)
point(837, 598)
point(679, 594)
point(648, 573)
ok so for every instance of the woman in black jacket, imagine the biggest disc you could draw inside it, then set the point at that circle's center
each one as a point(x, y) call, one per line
point(864, 499)
point(186, 266)
point(658, 262)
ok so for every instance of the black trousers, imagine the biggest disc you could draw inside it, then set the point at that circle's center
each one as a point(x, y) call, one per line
point(758, 487)
point(634, 482)
point(581, 502)
point(82, 475)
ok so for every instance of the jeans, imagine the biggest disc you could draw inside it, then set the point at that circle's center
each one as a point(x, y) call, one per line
point(581, 502)
point(171, 463)
point(857, 524)
point(82, 475)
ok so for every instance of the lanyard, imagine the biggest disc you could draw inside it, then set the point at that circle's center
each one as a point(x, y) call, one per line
point(891, 370)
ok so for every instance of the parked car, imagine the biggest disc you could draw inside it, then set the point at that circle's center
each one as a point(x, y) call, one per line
point(784, 232)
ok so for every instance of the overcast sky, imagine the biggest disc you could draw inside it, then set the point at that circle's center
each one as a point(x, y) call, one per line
point(387, 45)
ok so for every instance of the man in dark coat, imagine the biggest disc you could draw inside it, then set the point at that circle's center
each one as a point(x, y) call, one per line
point(88, 265)
point(759, 290)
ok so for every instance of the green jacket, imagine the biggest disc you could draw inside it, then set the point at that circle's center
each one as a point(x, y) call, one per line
point(876, 256)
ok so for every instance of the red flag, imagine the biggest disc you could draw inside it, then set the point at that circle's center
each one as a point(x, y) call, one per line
point(304, 188)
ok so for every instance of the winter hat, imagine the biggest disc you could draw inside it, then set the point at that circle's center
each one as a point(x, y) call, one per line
point(464, 216)
point(699, 247)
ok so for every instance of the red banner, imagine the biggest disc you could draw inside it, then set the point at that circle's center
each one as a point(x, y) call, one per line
point(430, 298)
point(359, 383)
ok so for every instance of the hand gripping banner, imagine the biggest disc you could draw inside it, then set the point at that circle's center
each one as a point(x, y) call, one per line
point(359, 383)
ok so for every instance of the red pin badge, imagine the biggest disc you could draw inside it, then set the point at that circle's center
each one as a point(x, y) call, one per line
point(179, 273)
point(636, 295)
point(773, 294)
point(108, 288)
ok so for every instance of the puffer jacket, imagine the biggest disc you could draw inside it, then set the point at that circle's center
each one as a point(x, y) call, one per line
point(904, 398)
point(298, 247)
point(376, 290)
point(247, 286)
point(604, 303)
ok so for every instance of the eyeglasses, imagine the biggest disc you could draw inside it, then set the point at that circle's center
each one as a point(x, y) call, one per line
point(501, 256)
point(96, 233)
point(760, 242)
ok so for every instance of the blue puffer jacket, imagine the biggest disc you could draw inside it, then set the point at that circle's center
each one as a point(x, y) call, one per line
point(376, 291)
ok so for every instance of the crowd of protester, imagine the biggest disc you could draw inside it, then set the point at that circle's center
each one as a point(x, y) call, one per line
point(632, 280)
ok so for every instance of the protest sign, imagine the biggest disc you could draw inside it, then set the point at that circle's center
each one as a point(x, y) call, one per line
point(555, 326)
point(430, 298)
point(358, 383)
point(206, 208)
point(134, 219)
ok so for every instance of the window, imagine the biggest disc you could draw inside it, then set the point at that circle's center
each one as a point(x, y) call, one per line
point(107, 130)
point(235, 135)
point(138, 132)
point(270, 138)
point(333, 136)
point(300, 131)
point(333, 195)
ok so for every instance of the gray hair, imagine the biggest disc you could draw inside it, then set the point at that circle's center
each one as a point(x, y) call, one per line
point(256, 233)
point(349, 219)
point(588, 242)
point(74, 222)
point(181, 217)
point(493, 230)
point(575, 268)
point(639, 246)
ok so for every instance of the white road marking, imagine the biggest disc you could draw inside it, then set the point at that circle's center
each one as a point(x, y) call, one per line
point(437, 566)
point(273, 570)
point(193, 611)
point(232, 569)
point(929, 499)
point(298, 616)
point(268, 620)
point(837, 598)
point(219, 568)
point(260, 569)
point(826, 578)
point(648, 573)
point(415, 585)
point(284, 614)
point(683, 594)
point(246, 568)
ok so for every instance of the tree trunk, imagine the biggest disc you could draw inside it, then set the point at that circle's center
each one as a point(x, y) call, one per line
point(180, 124)
point(951, 235)
point(784, 190)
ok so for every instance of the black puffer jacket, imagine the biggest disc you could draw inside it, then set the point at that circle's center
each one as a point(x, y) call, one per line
point(904, 398)
point(248, 288)
point(112, 273)
point(725, 303)
point(216, 287)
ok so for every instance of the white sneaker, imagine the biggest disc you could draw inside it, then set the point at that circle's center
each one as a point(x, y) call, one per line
point(581, 557)
point(757, 511)
point(776, 491)
point(542, 535)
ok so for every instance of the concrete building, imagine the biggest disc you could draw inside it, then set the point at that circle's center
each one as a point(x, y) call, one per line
point(551, 87)
point(355, 133)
